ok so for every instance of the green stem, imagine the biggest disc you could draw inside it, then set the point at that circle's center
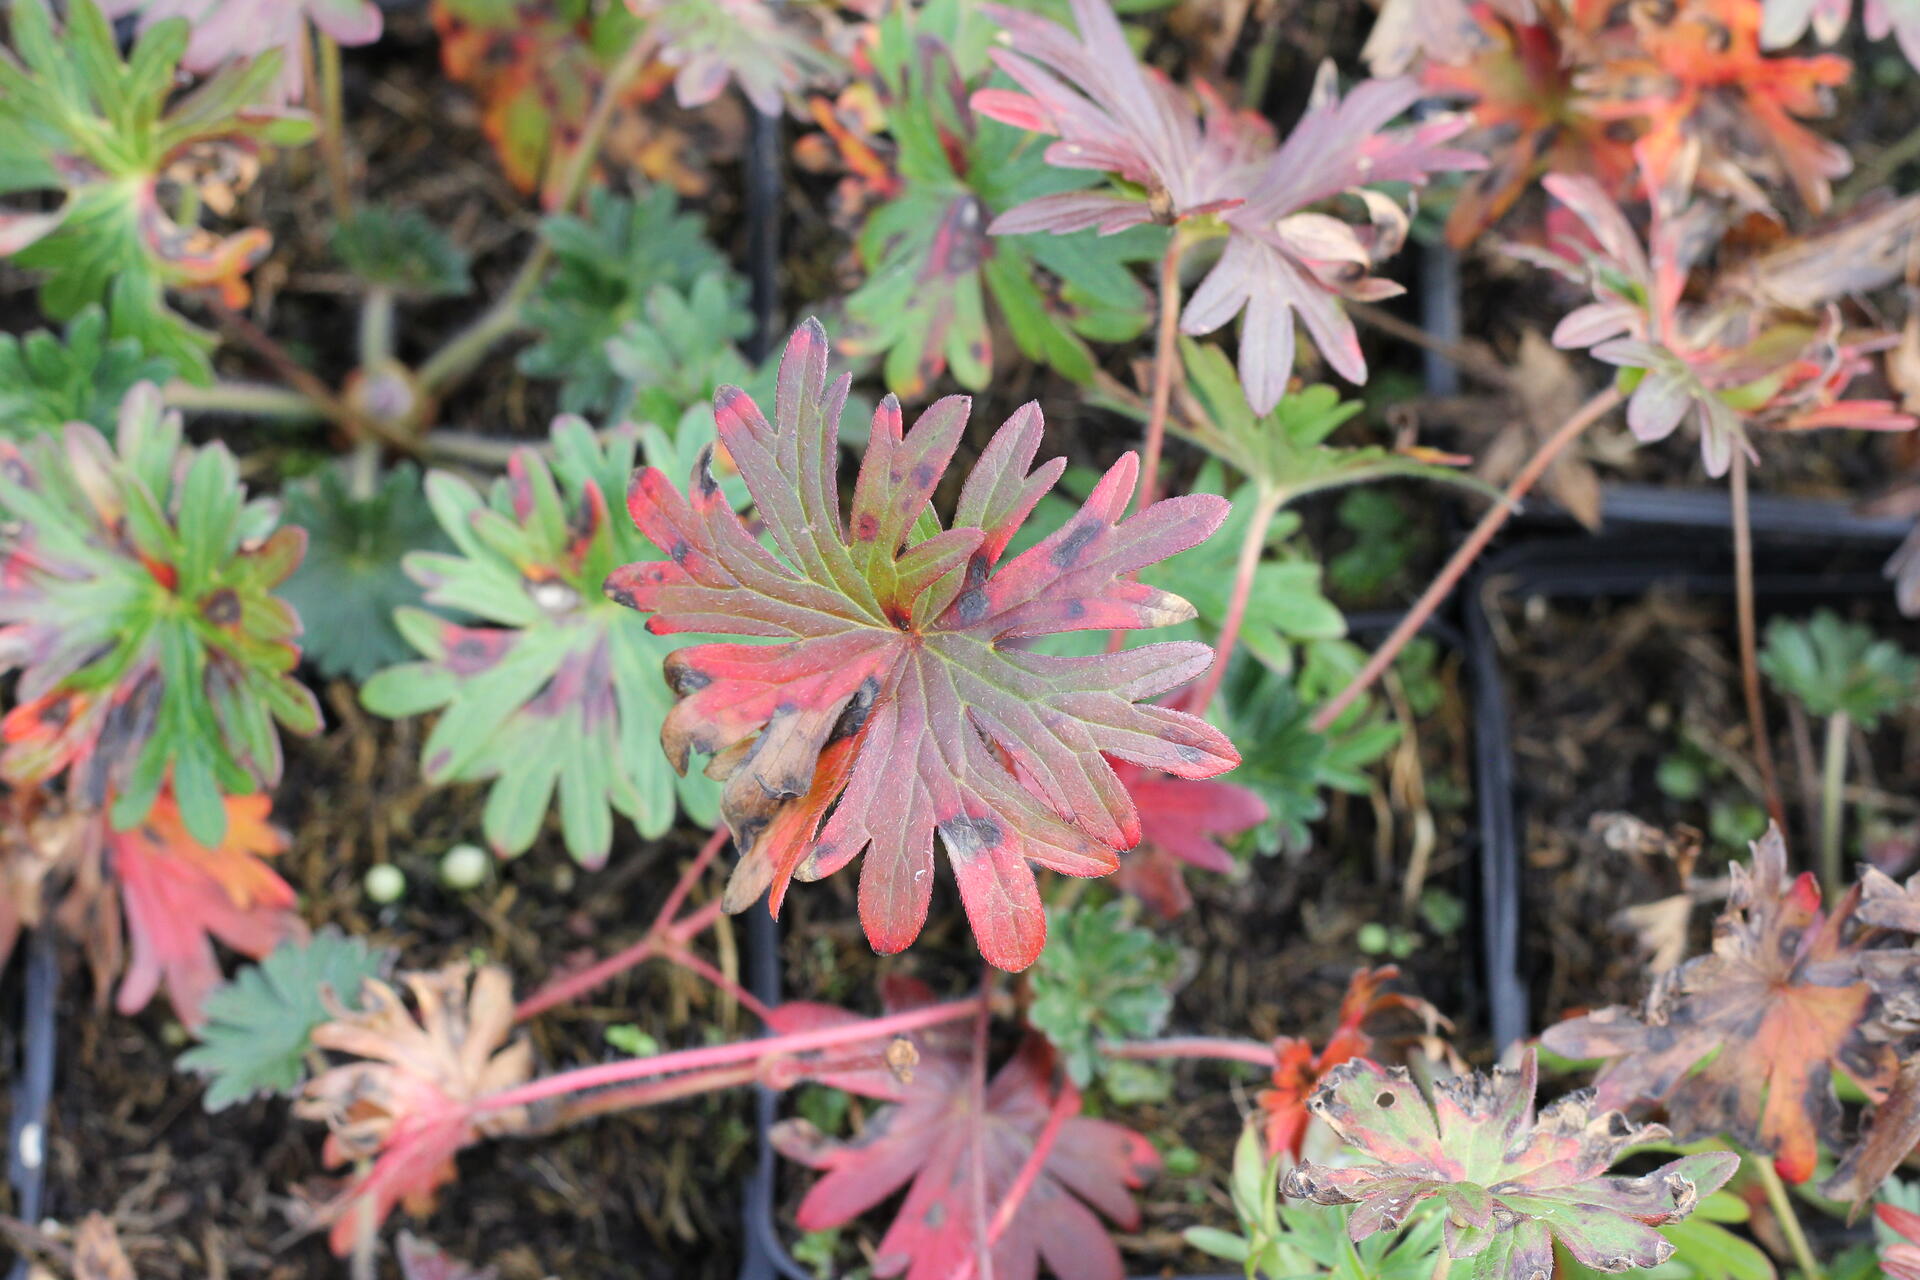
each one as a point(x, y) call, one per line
point(464, 352)
point(376, 327)
point(1782, 1205)
point(333, 127)
point(244, 399)
point(1833, 780)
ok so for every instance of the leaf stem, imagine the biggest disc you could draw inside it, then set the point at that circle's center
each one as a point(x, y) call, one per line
point(1066, 1105)
point(1782, 1204)
point(650, 1093)
point(465, 350)
point(1450, 574)
point(243, 399)
point(1744, 619)
point(664, 936)
point(1252, 544)
point(977, 1086)
point(1215, 1047)
point(333, 135)
point(1166, 355)
point(309, 385)
point(1833, 780)
point(740, 1051)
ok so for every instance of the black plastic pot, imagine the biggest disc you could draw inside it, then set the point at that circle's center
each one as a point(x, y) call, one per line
point(33, 1087)
point(1805, 552)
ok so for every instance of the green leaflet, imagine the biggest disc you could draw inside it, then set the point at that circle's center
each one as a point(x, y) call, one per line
point(1833, 666)
point(77, 118)
point(401, 251)
point(606, 266)
point(351, 582)
point(1100, 978)
point(260, 1025)
point(48, 380)
point(553, 693)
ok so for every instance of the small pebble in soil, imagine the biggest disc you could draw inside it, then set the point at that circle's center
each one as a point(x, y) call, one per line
point(464, 867)
point(385, 883)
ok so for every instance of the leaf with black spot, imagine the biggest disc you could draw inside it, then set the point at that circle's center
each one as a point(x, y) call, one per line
point(896, 702)
point(549, 690)
point(1513, 1184)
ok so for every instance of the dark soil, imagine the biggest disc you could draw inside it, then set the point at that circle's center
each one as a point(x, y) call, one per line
point(653, 1193)
point(1604, 692)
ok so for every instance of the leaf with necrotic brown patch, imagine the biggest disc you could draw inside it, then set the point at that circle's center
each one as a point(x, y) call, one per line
point(1787, 996)
point(894, 703)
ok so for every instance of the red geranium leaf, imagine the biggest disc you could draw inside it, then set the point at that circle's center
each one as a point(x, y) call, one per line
point(1901, 1259)
point(1298, 1070)
point(1181, 823)
point(961, 1159)
point(897, 645)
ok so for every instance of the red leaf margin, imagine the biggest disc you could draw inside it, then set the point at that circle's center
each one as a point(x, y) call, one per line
point(904, 650)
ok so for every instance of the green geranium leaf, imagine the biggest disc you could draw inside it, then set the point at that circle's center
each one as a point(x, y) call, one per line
point(351, 582)
point(259, 1027)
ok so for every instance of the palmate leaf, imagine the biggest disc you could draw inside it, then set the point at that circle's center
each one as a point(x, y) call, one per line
point(961, 1159)
point(351, 582)
point(77, 118)
point(259, 1026)
point(401, 1104)
point(49, 380)
point(1747, 1039)
point(895, 694)
point(1282, 257)
point(139, 607)
point(606, 265)
point(1513, 1185)
point(932, 267)
point(556, 691)
point(1835, 667)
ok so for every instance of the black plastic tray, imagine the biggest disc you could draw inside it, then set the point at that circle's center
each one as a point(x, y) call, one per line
point(1804, 551)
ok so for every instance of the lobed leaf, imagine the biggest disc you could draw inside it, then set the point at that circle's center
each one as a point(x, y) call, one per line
point(258, 1034)
point(551, 692)
point(893, 693)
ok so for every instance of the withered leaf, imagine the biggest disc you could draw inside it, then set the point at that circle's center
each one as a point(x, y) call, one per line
point(1784, 1000)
